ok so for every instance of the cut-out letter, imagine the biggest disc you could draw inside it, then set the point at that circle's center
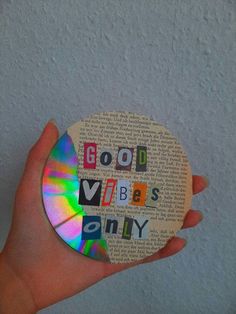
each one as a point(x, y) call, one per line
point(141, 158)
point(90, 153)
point(90, 192)
point(105, 157)
point(108, 193)
point(111, 225)
point(152, 197)
point(139, 194)
point(123, 190)
point(140, 228)
point(127, 229)
point(124, 158)
point(91, 228)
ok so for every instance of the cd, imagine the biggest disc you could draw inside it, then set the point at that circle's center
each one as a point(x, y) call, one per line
point(116, 186)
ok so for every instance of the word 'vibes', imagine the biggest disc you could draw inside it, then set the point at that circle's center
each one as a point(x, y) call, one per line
point(141, 194)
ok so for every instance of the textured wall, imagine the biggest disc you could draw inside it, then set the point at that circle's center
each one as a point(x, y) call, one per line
point(173, 60)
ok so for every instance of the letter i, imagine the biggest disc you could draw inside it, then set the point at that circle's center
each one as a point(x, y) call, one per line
point(108, 193)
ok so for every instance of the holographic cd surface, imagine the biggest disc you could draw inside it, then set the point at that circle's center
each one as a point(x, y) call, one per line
point(116, 186)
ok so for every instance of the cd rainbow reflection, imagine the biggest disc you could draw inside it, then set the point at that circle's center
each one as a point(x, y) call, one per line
point(60, 192)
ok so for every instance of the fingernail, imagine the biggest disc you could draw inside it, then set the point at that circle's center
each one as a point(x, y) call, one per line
point(52, 121)
point(45, 126)
point(200, 214)
point(206, 181)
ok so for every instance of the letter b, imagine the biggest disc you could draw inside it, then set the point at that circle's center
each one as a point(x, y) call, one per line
point(123, 190)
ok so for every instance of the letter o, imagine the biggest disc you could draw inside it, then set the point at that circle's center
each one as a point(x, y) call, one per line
point(128, 159)
point(88, 229)
point(105, 158)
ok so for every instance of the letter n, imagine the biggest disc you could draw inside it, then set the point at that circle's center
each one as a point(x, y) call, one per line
point(112, 223)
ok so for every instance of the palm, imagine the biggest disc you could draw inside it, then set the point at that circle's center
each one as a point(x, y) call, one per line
point(50, 268)
point(36, 253)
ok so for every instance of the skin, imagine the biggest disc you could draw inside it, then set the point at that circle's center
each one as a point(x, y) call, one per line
point(36, 268)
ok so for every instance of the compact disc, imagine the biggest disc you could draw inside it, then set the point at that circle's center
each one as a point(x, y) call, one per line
point(116, 186)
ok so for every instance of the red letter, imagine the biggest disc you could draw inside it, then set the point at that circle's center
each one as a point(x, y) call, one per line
point(90, 154)
point(108, 193)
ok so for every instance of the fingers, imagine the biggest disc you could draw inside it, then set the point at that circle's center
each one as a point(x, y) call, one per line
point(39, 152)
point(173, 246)
point(192, 218)
point(176, 244)
point(199, 183)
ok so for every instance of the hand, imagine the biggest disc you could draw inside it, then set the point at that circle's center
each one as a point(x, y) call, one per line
point(34, 264)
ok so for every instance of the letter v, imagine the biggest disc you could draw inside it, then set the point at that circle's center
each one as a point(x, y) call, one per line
point(90, 192)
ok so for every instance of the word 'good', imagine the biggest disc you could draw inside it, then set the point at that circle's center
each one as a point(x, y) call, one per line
point(90, 193)
point(123, 160)
point(133, 228)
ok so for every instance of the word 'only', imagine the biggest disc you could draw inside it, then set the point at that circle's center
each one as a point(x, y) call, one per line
point(126, 227)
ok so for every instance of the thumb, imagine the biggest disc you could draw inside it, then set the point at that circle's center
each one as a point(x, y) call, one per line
point(38, 155)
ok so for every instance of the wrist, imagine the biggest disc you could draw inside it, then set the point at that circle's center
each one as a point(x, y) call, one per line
point(15, 297)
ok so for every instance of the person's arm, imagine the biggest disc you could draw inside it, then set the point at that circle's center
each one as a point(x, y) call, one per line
point(15, 296)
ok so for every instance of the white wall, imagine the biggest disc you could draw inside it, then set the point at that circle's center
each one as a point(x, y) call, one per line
point(173, 60)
